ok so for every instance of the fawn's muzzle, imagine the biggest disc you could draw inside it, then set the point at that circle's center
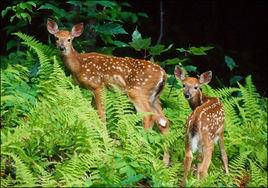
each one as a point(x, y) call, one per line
point(62, 48)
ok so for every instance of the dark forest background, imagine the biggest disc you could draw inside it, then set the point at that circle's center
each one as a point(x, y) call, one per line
point(235, 28)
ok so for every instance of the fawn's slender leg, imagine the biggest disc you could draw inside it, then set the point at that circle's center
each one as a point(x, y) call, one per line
point(141, 104)
point(157, 106)
point(144, 106)
point(187, 161)
point(223, 152)
point(98, 103)
point(159, 116)
point(207, 154)
point(163, 125)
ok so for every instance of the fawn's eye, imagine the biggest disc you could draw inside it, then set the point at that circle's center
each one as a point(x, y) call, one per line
point(69, 40)
point(183, 85)
point(195, 87)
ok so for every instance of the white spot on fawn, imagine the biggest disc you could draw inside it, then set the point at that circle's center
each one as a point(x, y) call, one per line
point(216, 139)
point(162, 122)
point(194, 142)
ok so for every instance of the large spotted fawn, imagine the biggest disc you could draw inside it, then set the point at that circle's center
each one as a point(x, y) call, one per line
point(204, 126)
point(142, 80)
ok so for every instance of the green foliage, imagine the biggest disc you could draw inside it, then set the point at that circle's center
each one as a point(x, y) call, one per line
point(196, 50)
point(104, 19)
point(185, 59)
point(21, 11)
point(230, 62)
point(109, 29)
point(51, 136)
point(139, 43)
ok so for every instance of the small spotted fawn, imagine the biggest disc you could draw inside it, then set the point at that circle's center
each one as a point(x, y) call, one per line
point(204, 126)
point(142, 80)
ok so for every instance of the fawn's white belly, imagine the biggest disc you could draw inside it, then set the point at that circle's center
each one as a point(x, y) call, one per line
point(195, 143)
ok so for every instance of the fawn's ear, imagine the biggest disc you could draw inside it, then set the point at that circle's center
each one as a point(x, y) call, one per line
point(205, 77)
point(179, 73)
point(52, 27)
point(77, 30)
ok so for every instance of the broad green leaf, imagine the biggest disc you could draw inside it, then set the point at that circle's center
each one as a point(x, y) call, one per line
point(120, 164)
point(197, 51)
point(132, 180)
point(181, 49)
point(32, 3)
point(26, 16)
point(109, 28)
point(75, 3)
point(230, 62)
point(119, 43)
point(190, 68)
point(106, 38)
point(26, 5)
point(88, 183)
point(235, 79)
point(58, 11)
point(206, 48)
point(5, 11)
point(12, 18)
point(129, 16)
point(136, 35)
point(157, 49)
point(106, 3)
point(174, 61)
point(134, 164)
point(10, 44)
point(142, 14)
point(140, 44)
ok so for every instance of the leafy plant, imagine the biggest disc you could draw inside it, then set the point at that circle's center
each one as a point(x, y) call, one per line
point(104, 24)
point(196, 50)
point(21, 11)
point(51, 136)
point(138, 43)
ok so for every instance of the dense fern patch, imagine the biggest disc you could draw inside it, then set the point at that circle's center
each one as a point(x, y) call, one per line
point(52, 136)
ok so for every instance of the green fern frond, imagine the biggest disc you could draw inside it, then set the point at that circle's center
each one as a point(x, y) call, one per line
point(230, 109)
point(116, 104)
point(220, 92)
point(7, 181)
point(24, 176)
point(237, 168)
point(30, 41)
point(251, 100)
point(72, 172)
point(258, 175)
point(59, 139)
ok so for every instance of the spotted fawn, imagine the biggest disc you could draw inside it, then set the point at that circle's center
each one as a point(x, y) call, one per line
point(143, 81)
point(204, 126)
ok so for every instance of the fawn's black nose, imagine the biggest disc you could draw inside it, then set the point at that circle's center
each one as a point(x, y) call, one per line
point(62, 48)
point(187, 95)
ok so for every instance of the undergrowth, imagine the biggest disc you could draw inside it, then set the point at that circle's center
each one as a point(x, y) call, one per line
point(52, 136)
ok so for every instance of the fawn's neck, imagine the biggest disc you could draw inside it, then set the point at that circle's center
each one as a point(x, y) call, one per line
point(197, 100)
point(71, 60)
